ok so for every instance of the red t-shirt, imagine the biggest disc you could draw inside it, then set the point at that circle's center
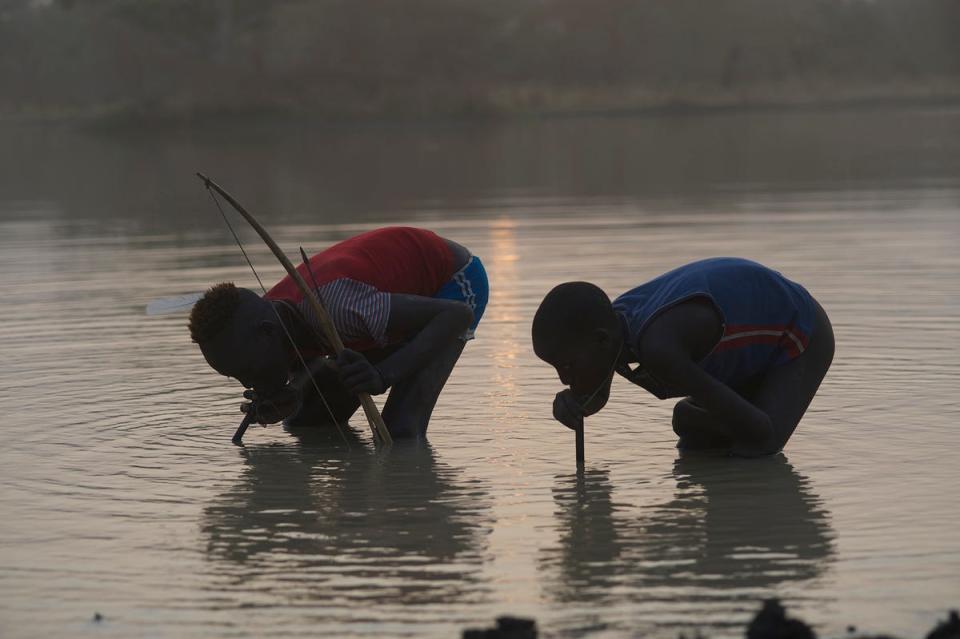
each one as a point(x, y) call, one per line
point(356, 277)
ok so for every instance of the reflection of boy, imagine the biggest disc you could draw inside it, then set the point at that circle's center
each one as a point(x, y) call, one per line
point(747, 347)
point(404, 302)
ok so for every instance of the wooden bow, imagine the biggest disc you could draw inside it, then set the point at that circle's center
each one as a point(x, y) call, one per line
point(377, 427)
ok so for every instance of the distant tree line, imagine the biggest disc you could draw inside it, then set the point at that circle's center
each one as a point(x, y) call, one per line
point(349, 58)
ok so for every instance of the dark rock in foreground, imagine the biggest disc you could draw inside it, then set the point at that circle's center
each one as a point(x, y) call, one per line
point(507, 628)
point(949, 629)
point(771, 622)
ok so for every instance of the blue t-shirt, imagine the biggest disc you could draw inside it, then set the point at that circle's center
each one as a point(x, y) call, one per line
point(767, 319)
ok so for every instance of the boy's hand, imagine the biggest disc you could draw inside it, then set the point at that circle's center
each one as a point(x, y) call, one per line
point(358, 374)
point(271, 408)
point(567, 409)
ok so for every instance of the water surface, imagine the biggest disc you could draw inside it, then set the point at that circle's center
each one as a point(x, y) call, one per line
point(122, 494)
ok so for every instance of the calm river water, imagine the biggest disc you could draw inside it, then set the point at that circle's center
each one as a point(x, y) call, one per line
point(123, 495)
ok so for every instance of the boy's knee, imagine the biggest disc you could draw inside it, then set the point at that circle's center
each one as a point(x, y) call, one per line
point(684, 412)
point(405, 429)
point(694, 428)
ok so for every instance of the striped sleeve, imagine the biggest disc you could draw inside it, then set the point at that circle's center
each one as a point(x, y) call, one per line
point(359, 311)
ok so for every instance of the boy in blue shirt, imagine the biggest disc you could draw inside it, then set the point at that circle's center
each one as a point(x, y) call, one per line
point(746, 348)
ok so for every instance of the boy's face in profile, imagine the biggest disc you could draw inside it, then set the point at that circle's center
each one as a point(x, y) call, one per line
point(255, 355)
point(584, 363)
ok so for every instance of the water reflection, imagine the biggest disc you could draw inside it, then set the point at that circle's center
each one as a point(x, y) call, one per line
point(731, 528)
point(315, 520)
point(593, 538)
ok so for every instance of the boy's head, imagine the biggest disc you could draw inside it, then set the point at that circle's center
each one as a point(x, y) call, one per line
point(240, 336)
point(577, 331)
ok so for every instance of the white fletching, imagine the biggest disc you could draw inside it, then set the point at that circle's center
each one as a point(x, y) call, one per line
point(178, 304)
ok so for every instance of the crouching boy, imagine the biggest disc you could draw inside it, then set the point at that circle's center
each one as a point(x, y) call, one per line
point(744, 346)
point(404, 301)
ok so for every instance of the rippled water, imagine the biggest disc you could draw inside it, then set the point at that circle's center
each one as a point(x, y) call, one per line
point(123, 495)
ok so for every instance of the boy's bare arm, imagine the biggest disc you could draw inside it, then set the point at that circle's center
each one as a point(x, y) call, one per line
point(434, 323)
point(670, 348)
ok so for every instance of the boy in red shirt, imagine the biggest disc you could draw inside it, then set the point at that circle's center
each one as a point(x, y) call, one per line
point(405, 301)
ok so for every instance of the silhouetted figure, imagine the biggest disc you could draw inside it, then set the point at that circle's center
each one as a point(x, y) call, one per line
point(404, 301)
point(744, 345)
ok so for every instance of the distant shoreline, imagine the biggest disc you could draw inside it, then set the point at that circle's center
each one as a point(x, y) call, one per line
point(132, 116)
point(119, 62)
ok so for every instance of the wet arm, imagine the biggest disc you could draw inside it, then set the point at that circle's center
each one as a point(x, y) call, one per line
point(434, 323)
point(742, 421)
point(670, 349)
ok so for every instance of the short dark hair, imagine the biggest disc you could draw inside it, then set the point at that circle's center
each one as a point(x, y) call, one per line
point(213, 311)
point(571, 310)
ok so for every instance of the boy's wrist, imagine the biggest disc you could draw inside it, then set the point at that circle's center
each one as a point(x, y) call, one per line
point(385, 378)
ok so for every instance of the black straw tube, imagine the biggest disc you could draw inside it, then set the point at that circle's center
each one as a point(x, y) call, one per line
point(241, 429)
point(580, 444)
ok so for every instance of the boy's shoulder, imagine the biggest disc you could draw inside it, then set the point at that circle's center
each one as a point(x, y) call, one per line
point(689, 328)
